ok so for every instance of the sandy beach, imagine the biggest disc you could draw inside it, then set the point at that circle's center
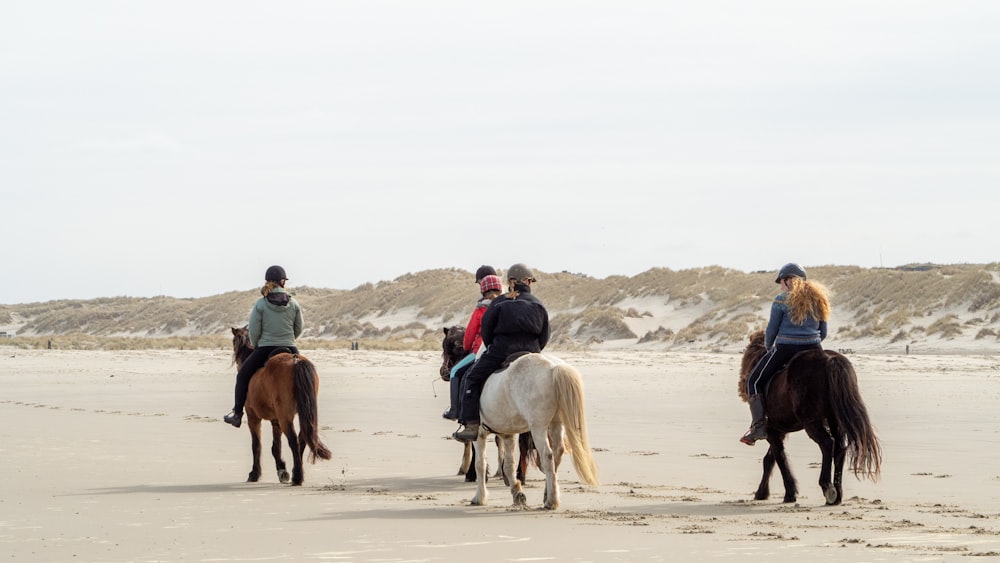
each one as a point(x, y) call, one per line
point(122, 456)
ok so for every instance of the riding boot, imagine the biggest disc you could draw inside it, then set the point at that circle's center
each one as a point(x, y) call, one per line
point(235, 417)
point(468, 434)
point(758, 426)
point(452, 412)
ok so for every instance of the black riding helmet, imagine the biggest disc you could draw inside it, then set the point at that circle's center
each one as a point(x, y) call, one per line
point(790, 270)
point(484, 271)
point(275, 274)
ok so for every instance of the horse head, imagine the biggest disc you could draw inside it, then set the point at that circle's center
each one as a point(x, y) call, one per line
point(751, 355)
point(452, 349)
point(241, 345)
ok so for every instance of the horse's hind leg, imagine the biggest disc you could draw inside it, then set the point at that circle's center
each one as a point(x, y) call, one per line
point(279, 463)
point(516, 493)
point(253, 424)
point(295, 447)
point(500, 455)
point(827, 447)
point(556, 442)
point(524, 446)
point(547, 463)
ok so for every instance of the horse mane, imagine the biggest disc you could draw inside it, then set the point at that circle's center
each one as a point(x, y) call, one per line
point(751, 355)
point(241, 345)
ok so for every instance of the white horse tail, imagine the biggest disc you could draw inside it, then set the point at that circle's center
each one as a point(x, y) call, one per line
point(569, 391)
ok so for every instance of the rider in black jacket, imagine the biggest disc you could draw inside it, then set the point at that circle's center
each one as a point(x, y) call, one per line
point(514, 322)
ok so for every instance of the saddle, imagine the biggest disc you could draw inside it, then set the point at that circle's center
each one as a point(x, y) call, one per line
point(510, 359)
point(281, 350)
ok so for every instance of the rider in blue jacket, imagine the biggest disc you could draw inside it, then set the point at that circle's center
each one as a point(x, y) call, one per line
point(797, 323)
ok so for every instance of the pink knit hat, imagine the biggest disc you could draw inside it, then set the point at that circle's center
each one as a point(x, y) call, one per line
point(490, 282)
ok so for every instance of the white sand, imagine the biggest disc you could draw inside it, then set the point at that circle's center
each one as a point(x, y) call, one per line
point(122, 456)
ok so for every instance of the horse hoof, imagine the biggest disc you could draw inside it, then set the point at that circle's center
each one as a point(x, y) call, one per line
point(831, 495)
point(253, 478)
point(284, 476)
point(520, 499)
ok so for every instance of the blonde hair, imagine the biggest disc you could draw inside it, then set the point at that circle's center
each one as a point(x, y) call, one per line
point(269, 287)
point(807, 298)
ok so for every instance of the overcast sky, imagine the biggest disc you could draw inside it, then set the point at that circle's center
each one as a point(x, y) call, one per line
point(180, 148)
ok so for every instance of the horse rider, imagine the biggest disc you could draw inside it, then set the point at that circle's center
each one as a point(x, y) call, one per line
point(275, 323)
point(798, 322)
point(514, 322)
point(490, 286)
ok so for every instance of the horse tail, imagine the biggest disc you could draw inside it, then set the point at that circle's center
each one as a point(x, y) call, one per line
point(571, 410)
point(306, 382)
point(852, 418)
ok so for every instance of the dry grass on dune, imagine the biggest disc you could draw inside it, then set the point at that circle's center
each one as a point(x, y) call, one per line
point(704, 308)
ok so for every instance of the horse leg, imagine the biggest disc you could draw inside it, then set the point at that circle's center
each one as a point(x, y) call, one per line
point(296, 448)
point(253, 423)
point(523, 452)
point(821, 436)
point(516, 492)
point(471, 475)
point(777, 441)
point(480, 498)
point(764, 488)
point(466, 465)
point(839, 453)
point(279, 464)
point(556, 442)
point(551, 498)
point(500, 458)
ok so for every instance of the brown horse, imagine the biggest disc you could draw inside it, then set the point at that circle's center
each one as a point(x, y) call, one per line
point(817, 392)
point(285, 387)
point(452, 351)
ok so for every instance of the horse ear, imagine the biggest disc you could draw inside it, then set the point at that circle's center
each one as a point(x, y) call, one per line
point(235, 330)
point(445, 331)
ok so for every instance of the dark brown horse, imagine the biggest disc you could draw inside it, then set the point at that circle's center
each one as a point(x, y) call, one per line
point(816, 392)
point(286, 386)
point(452, 351)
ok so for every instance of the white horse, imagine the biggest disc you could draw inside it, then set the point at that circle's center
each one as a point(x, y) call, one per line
point(543, 395)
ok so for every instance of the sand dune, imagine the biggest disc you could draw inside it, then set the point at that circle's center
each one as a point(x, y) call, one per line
point(122, 456)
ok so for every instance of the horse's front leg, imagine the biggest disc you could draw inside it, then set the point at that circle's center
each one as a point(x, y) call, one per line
point(279, 463)
point(463, 469)
point(764, 488)
point(253, 424)
point(298, 474)
point(827, 448)
point(480, 498)
point(777, 449)
point(551, 498)
point(516, 493)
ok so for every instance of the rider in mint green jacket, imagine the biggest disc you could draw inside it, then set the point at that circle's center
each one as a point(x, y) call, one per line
point(275, 323)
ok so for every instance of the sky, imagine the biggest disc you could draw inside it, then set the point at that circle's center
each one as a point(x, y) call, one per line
point(180, 148)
